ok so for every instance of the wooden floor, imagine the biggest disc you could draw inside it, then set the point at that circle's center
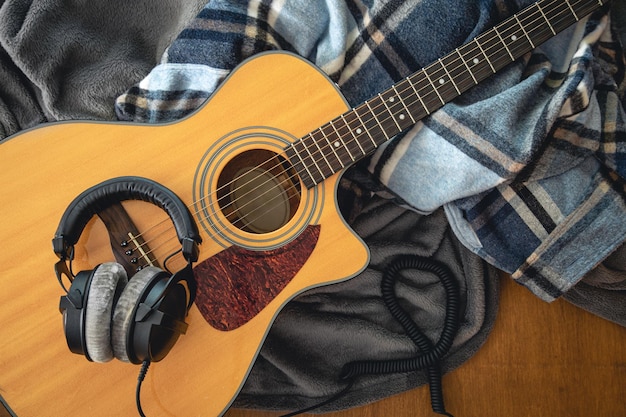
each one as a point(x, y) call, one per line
point(540, 360)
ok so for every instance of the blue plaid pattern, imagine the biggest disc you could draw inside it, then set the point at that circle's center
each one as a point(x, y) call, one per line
point(529, 165)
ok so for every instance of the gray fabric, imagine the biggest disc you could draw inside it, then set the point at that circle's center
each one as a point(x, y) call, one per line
point(69, 60)
point(122, 315)
point(107, 282)
point(603, 290)
point(321, 330)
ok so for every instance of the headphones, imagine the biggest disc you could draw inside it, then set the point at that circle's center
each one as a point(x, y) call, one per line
point(106, 315)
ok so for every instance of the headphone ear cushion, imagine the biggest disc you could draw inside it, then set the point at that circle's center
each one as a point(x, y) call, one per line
point(107, 283)
point(123, 316)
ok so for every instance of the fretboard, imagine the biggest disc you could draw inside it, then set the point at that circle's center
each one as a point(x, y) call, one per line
point(358, 132)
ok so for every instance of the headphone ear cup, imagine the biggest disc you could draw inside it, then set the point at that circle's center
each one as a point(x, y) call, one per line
point(107, 283)
point(124, 317)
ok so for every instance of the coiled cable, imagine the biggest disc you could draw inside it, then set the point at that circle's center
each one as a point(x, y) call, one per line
point(430, 358)
point(431, 354)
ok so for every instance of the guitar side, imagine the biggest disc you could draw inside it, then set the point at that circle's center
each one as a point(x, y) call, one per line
point(267, 102)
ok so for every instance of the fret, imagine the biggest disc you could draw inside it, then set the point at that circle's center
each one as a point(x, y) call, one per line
point(560, 15)
point(335, 144)
point(545, 17)
point(384, 101)
point(346, 144)
point(351, 131)
point(485, 55)
point(474, 58)
point(382, 128)
point(310, 155)
point(434, 88)
point(428, 94)
point(383, 114)
point(495, 49)
point(479, 64)
point(401, 100)
point(572, 10)
point(331, 146)
point(530, 41)
point(411, 101)
point(450, 77)
point(504, 43)
point(418, 95)
point(359, 130)
point(460, 78)
point(332, 135)
point(339, 145)
point(469, 70)
point(300, 165)
point(535, 26)
point(400, 113)
point(514, 36)
point(325, 173)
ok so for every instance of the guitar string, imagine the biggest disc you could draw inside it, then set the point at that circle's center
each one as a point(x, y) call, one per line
point(505, 33)
point(449, 89)
point(536, 13)
point(389, 119)
point(429, 98)
point(437, 73)
point(325, 147)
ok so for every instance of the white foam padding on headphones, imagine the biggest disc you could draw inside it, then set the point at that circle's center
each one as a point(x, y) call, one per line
point(108, 279)
point(123, 315)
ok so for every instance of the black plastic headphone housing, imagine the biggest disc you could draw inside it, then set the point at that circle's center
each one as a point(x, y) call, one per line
point(73, 306)
point(158, 318)
point(159, 313)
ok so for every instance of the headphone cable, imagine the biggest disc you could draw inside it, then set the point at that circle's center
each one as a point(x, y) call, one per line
point(431, 354)
point(142, 375)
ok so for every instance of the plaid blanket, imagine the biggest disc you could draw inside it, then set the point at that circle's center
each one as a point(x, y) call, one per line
point(529, 165)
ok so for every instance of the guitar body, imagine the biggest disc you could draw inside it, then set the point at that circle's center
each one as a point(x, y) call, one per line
point(247, 269)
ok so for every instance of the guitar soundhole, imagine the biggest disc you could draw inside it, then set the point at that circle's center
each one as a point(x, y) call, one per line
point(258, 191)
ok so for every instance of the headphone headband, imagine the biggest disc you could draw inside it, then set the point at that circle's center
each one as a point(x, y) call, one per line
point(101, 196)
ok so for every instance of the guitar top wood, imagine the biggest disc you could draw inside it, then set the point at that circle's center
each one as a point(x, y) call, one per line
point(267, 102)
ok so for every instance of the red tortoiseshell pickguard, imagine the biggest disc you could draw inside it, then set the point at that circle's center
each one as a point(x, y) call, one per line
point(236, 284)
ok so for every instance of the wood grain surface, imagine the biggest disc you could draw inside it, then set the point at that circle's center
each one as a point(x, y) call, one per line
point(540, 360)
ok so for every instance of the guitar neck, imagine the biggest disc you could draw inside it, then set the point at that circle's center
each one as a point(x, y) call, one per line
point(358, 132)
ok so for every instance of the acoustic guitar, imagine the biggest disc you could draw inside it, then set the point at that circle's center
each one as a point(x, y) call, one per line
point(258, 167)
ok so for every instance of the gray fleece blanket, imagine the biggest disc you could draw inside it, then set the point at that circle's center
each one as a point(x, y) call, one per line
point(70, 60)
point(60, 61)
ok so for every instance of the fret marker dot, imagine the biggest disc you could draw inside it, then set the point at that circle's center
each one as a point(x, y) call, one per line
point(514, 38)
point(337, 144)
point(391, 99)
point(359, 131)
point(476, 61)
point(402, 117)
point(442, 81)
